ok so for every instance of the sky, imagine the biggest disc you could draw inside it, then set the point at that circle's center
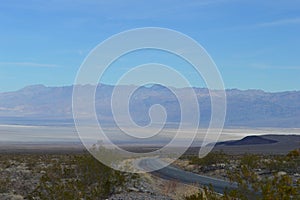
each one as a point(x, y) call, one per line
point(255, 44)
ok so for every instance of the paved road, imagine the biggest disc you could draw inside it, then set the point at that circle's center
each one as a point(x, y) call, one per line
point(173, 173)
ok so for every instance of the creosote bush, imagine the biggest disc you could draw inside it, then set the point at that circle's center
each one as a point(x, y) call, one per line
point(210, 159)
point(278, 184)
point(78, 177)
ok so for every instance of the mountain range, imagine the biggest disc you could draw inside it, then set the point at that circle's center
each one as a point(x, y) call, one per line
point(245, 108)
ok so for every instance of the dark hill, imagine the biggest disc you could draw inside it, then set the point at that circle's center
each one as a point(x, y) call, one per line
point(249, 140)
point(265, 144)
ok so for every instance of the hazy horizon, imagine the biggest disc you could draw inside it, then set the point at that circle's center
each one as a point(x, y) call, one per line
point(35, 134)
point(245, 89)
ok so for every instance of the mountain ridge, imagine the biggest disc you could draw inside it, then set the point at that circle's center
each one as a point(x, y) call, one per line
point(248, 108)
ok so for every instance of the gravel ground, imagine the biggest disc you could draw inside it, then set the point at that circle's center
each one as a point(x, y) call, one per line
point(138, 196)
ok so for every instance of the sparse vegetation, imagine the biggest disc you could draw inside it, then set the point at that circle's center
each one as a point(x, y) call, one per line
point(78, 177)
point(266, 177)
point(207, 193)
point(4, 183)
point(71, 176)
point(211, 159)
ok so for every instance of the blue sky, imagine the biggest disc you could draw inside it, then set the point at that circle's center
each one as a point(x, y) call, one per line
point(255, 44)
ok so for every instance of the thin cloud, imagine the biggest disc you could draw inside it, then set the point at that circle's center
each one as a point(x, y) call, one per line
point(278, 67)
point(280, 22)
point(28, 64)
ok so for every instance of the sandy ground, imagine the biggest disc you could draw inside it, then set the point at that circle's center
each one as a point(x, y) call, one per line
point(65, 139)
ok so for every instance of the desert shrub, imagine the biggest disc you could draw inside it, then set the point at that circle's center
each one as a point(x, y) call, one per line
point(250, 160)
point(294, 154)
point(251, 185)
point(4, 183)
point(275, 187)
point(207, 194)
point(280, 187)
point(210, 159)
point(78, 177)
point(289, 163)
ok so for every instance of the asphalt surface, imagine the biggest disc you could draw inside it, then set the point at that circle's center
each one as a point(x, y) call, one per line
point(173, 173)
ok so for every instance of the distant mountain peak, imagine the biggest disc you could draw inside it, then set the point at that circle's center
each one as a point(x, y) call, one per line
point(245, 108)
point(34, 87)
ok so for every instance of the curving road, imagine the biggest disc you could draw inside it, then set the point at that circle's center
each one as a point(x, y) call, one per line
point(173, 173)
